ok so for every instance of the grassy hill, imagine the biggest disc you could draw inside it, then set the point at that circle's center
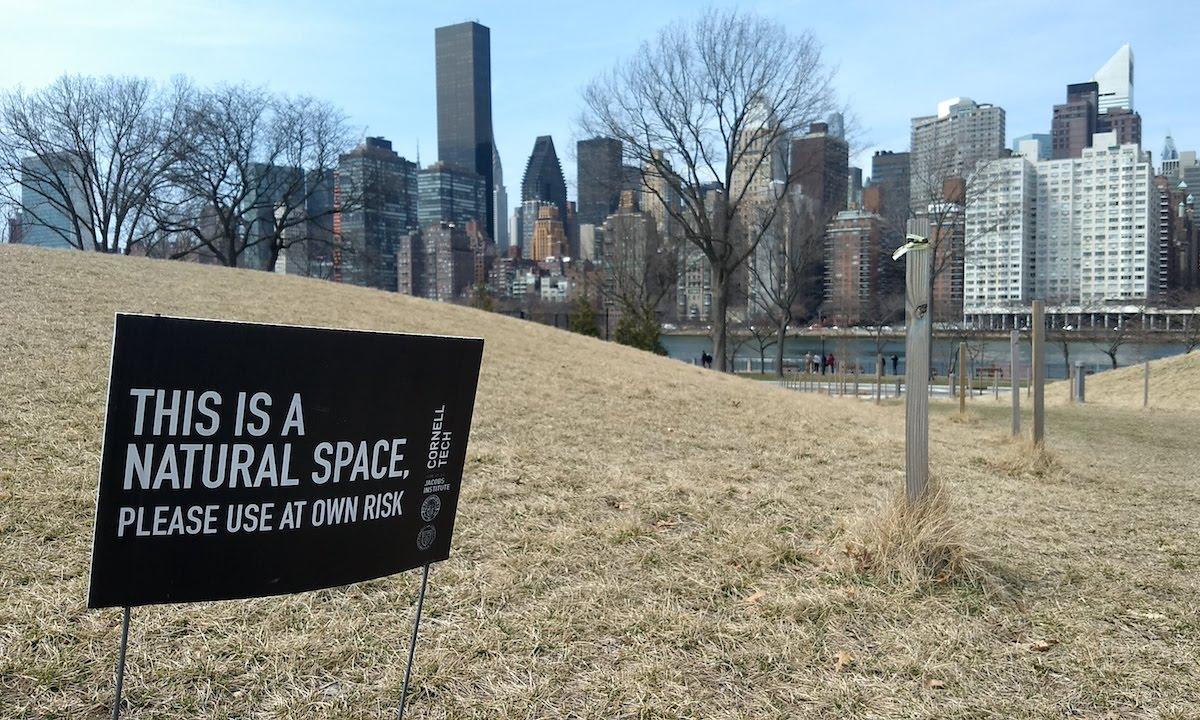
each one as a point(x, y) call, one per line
point(637, 538)
point(1174, 384)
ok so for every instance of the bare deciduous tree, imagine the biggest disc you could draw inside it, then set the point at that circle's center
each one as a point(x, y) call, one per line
point(1188, 299)
point(762, 331)
point(83, 158)
point(943, 193)
point(782, 269)
point(10, 229)
point(1190, 336)
point(246, 170)
point(884, 309)
point(713, 101)
point(1126, 330)
point(640, 269)
point(1061, 334)
point(949, 205)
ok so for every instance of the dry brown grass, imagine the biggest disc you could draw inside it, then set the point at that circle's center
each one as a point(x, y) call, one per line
point(913, 545)
point(967, 418)
point(637, 538)
point(1172, 385)
point(1025, 459)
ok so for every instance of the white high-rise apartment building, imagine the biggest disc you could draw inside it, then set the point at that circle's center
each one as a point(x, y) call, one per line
point(1073, 232)
point(956, 141)
point(1094, 240)
point(998, 263)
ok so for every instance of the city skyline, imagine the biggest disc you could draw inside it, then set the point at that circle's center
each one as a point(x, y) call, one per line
point(388, 88)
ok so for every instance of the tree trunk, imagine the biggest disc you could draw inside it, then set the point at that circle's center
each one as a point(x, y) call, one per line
point(932, 317)
point(273, 257)
point(720, 310)
point(780, 337)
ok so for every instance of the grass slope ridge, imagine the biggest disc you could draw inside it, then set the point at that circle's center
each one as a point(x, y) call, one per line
point(1174, 384)
point(637, 538)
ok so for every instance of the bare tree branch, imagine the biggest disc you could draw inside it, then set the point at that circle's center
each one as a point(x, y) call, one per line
point(782, 270)
point(705, 107)
point(83, 157)
point(246, 170)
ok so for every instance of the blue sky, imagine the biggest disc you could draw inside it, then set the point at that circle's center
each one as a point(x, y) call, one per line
point(375, 59)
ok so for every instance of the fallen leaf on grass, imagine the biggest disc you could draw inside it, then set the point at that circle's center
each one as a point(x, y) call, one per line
point(755, 598)
point(841, 659)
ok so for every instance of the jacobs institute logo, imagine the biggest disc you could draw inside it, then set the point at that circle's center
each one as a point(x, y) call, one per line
point(425, 537)
point(430, 508)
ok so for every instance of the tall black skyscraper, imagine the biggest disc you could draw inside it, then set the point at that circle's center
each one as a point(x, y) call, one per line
point(544, 177)
point(464, 103)
point(891, 175)
point(600, 179)
point(890, 172)
point(820, 165)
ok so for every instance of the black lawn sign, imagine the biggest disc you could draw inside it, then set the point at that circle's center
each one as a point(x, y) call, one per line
point(243, 460)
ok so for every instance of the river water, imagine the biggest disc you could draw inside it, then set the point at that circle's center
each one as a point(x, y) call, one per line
point(862, 350)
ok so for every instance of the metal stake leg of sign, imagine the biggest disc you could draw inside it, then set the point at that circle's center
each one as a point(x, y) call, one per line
point(116, 713)
point(412, 641)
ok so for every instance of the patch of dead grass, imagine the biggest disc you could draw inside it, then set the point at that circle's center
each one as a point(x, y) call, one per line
point(1021, 458)
point(967, 418)
point(912, 546)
